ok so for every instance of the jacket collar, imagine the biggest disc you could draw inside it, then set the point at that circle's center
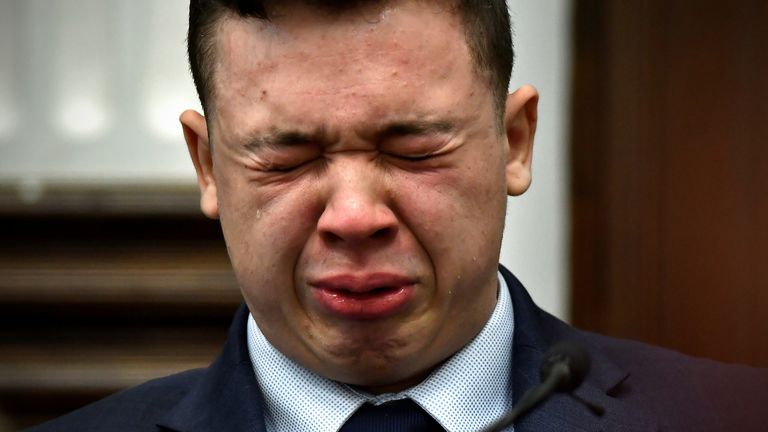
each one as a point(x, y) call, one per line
point(227, 398)
point(535, 332)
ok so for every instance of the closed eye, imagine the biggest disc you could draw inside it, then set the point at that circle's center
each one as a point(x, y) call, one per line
point(415, 158)
point(286, 168)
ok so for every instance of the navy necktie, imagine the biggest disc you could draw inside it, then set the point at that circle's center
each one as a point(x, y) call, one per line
point(397, 416)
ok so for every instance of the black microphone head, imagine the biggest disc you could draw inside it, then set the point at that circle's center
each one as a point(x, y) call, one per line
point(571, 355)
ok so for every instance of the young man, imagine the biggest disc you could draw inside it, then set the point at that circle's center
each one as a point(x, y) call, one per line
point(358, 155)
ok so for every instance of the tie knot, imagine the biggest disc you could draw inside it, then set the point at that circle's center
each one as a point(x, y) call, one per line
point(402, 415)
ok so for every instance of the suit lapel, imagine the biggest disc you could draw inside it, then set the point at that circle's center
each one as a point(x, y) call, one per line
point(535, 332)
point(228, 397)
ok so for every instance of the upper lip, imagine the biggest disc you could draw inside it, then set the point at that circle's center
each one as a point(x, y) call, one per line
point(360, 283)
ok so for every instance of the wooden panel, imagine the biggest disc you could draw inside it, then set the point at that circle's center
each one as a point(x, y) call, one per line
point(670, 210)
point(126, 286)
point(82, 366)
point(716, 140)
point(97, 199)
point(102, 288)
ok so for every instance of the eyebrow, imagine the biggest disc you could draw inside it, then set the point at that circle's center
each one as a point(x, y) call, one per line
point(406, 128)
point(287, 138)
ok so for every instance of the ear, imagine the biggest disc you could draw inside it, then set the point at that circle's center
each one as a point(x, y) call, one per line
point(520, 119)
point(196, 135)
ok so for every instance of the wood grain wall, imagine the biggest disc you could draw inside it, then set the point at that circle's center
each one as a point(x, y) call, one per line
point(670, 174)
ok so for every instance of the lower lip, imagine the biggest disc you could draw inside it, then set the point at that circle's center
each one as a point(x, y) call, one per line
point(376, 304)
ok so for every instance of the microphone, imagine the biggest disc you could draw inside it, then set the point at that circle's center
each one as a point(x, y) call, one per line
point(563, 369)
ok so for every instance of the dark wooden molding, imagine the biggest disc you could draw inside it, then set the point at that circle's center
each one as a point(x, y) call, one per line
point(103, 287)
point(63, 198)
point(169, 286)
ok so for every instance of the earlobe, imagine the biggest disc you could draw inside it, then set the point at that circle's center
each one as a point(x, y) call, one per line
point(196, 134)
point(520, 119)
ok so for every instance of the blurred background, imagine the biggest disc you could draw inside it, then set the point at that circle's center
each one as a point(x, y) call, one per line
point(647, 218)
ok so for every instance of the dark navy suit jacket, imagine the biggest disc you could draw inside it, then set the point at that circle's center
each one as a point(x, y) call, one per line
point(642, 388)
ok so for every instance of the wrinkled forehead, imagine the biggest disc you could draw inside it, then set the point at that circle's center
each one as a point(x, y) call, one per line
point(354, 54)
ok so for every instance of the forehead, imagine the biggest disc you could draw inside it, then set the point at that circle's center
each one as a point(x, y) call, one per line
point(368, 61)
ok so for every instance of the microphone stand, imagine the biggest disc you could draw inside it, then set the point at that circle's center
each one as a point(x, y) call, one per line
point(532, 397)
point(563, 369)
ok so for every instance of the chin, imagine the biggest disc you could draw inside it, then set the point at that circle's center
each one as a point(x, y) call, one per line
point(369, 360)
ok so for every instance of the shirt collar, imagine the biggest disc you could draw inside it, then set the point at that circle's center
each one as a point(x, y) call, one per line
point(470, 390)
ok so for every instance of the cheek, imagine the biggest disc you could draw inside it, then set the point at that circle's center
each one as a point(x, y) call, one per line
point(457, 217)
point(265, 228)
point(469, 199)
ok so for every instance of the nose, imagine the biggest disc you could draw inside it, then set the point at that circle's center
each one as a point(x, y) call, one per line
point(357, 211)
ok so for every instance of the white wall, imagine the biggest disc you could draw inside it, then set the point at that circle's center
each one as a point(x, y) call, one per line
point(96, 87)
point(90, 90)
point(535, 243)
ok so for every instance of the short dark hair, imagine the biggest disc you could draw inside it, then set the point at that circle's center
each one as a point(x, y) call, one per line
point(486, 27)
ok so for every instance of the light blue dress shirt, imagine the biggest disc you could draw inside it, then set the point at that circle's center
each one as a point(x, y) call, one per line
point(468, 391)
